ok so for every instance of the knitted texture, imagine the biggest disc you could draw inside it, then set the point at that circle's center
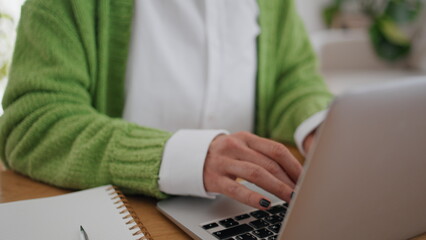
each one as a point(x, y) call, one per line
point(65, 97)
point(290, 90)
point(66, 87)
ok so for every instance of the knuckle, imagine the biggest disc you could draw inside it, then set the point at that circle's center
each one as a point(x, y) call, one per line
point(243, 134)
point(278, 150)
point(273, 168)
point(255, 173)
point(230, 143)
point(216, 144)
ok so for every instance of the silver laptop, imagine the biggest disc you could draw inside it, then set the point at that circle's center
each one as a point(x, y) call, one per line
point(364, 179)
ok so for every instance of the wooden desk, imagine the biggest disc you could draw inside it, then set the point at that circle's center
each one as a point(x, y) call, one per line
point(15, 187)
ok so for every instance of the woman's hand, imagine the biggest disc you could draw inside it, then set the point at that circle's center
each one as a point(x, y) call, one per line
point(309, 140)
point(264, 162)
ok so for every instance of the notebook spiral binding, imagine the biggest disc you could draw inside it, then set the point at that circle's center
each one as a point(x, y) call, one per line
point(129, 215)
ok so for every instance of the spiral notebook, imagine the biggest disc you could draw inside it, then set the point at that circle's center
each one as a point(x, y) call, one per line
point(103, 212)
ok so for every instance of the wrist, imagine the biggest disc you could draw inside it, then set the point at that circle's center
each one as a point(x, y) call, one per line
point(181, 171)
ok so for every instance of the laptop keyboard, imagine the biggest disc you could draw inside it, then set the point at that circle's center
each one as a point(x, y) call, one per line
point(249, 226)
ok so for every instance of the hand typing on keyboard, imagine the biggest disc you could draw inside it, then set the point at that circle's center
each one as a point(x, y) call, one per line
point(264, 162)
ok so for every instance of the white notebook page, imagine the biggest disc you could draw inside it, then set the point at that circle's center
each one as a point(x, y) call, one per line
point(60, 217)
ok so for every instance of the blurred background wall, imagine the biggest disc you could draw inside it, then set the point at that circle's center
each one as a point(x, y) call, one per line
point(310, 11)
point(367, 41)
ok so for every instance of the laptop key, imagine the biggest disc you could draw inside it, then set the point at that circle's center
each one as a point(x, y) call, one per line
point(275, 228)
point(210, 225)
point(273, 237)
point(263, 233)
point(259, 223)
point(228, 222)
point(246, 236)
point(273, 219)
point(241, 217)
point(277, 209)
point(233, 231)
point(259, 214)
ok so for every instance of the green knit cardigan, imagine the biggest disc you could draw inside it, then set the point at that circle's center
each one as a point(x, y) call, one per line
point(63, 105)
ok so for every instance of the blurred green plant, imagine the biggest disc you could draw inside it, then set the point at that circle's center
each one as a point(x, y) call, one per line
point(6, 42)
point(388, 20)
point(331, 11)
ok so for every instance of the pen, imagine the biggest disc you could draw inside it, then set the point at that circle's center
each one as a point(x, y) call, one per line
point(83, 234)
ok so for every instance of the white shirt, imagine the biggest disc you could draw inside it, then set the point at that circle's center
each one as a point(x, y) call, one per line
point(192, 65)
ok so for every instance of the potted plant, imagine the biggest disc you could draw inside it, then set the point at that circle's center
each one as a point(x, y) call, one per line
point(391, 23)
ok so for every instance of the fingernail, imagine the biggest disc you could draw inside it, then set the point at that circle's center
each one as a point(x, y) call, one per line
point(264, 203)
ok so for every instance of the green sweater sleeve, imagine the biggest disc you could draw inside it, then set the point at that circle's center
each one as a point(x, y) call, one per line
point(298, 91)
point(50, 130)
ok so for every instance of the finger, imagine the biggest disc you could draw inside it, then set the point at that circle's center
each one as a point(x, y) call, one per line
point(307, 143)
point(277, 152)
point(236, 147)
point(242, 194)
point(249, 155)
point(261, 177)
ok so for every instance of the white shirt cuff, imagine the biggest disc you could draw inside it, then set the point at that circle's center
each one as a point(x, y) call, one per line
point(181, 171)
point(306, 127)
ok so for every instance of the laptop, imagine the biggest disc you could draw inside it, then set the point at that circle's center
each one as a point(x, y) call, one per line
point(364, 179)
